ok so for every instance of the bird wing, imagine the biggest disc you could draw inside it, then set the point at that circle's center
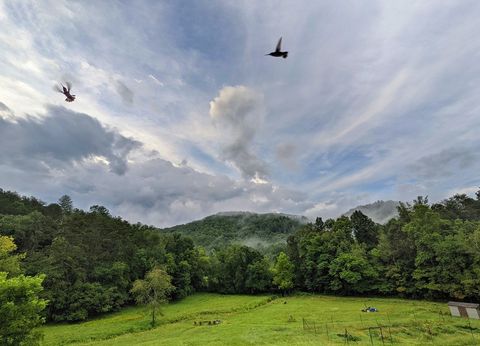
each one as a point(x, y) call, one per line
point(279, 45)
point(69, 86)
point(57, 88)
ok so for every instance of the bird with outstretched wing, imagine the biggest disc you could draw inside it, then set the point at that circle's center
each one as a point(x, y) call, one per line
point(66, 91)
point(278, 50)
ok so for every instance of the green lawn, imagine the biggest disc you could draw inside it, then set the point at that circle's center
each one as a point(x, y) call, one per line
point(260, 320)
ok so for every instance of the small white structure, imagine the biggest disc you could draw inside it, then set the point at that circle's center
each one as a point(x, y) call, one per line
point(468, 310)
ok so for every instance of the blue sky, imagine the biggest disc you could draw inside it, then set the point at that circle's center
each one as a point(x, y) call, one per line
point(180, 115)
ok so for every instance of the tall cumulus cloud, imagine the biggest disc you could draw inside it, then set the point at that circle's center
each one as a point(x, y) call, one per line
point(237, 112)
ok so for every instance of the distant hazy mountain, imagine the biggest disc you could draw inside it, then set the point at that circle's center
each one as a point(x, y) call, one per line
point(256, 230)
point(380, 211)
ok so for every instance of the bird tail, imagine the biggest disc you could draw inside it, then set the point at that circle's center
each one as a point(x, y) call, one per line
point(285, 55)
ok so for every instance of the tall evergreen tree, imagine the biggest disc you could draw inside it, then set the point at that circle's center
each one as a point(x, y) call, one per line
point(364, 229)
point(66, 204)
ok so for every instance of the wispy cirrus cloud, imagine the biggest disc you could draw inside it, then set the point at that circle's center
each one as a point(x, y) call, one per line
point(376, 100)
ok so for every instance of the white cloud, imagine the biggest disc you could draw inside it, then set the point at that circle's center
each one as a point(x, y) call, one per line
point(376, 100)
point(237, 112)
point(467, 190)
point(155, 80)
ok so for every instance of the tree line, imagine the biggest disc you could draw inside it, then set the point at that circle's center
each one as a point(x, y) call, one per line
point(88, 261)
point(428, 252)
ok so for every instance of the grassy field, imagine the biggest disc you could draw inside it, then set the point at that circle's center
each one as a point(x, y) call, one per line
point(264, 320)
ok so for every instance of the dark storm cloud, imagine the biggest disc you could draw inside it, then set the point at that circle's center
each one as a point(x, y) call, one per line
point(159, 193)
point(241, 155)
point(153, 191)
point(444, 163)
point(61, 138)
point(125, 92)
point(55, 154)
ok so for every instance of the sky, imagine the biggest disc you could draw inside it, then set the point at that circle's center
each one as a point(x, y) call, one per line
point(179, 114)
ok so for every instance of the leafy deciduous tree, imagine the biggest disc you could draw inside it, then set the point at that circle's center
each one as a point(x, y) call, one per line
point(20, 306)
point(153, 290)
point(20, 309)
point(9, 263)
point(283, 273)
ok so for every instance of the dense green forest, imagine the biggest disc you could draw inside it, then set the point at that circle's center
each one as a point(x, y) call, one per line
point(261, 231)
point(88, 260)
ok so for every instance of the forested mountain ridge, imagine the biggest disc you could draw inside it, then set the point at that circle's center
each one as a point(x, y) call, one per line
point(91, 259)
point(255, 230)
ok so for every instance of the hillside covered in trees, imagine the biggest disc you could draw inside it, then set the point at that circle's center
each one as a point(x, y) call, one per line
point(261, 231)
point(90, 259)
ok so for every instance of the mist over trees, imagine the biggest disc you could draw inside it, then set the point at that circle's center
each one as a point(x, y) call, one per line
point(90, 260)
point(264, 231)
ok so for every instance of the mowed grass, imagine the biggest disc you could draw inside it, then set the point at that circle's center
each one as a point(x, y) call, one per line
point(262, 320)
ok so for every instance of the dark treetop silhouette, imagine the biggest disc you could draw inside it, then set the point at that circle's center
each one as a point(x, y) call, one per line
point(278, 52)
point(66, 91)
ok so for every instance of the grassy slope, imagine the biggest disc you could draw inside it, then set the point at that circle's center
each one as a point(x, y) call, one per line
point(258, 321)
point(136, 319)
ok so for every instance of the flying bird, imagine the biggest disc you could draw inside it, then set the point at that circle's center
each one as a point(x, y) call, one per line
point(66, 91)
point(278, 50)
